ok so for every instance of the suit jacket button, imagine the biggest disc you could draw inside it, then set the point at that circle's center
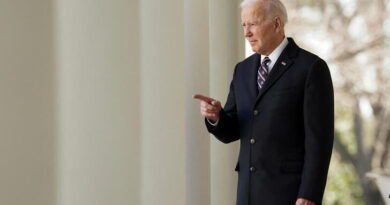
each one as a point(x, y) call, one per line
point(255, 112)
point(252, 169)
point(253, 141)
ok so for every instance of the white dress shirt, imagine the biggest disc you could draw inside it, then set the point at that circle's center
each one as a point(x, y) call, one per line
point(275, 54)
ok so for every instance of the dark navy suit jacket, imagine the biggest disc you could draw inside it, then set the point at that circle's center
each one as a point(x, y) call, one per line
point(285, 130)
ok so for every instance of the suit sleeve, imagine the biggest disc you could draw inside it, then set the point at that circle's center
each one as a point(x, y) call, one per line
point(227, 130)
point(319, 131)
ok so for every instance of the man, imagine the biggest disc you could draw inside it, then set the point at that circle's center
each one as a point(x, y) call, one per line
point(280, 107)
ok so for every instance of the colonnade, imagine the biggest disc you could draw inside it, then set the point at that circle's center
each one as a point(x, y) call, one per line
point(105, 110)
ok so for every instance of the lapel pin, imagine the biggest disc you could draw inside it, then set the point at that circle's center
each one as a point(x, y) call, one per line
point(284, 63)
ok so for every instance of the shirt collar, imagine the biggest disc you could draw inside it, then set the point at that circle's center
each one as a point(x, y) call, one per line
point(275, 54)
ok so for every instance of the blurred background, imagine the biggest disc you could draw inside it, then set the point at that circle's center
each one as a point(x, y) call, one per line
point(96, 101)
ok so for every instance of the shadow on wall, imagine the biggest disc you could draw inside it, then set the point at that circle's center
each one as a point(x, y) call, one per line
point(27, 114)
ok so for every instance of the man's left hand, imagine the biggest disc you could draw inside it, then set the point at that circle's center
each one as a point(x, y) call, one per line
point(301, 201)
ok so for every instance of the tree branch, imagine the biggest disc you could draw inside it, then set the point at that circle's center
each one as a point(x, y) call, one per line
point(348, 54)
point(344, 153)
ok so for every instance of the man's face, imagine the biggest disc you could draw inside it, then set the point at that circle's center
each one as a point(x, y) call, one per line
point(258, 30)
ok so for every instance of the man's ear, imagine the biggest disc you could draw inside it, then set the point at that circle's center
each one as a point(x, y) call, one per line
point(277, 24)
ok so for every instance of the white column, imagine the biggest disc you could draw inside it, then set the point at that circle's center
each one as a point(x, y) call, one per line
point(197, 81)
point(135, 96)
point(27, 115)
point(225, 52)
point(98, 102)
point(163, 103)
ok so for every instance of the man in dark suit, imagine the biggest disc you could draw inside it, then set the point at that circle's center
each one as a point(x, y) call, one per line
point(280, 107)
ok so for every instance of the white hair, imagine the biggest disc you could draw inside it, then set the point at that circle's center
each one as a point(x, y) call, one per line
point(272, 7)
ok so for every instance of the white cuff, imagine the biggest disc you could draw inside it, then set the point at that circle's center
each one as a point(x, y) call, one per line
point(212, 123)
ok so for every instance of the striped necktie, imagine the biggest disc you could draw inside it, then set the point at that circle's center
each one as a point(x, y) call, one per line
point(262, 72)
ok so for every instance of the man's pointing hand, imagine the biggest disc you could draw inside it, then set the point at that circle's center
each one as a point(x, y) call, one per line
point(209, 107)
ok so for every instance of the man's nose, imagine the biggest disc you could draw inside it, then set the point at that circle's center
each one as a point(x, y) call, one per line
point(247, 32)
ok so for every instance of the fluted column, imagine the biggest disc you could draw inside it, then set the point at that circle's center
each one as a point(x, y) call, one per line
point(27, 111)
point(196, 39)
point(225, 51)
point(163, 103)
point(175, 63)
point(134, 106)
point(98, 106)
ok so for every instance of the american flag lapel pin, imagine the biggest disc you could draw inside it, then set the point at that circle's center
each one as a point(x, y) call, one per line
point(284, 63)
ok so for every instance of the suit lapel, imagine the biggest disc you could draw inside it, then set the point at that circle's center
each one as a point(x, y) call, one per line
point(283, 63)
point(252, 81)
